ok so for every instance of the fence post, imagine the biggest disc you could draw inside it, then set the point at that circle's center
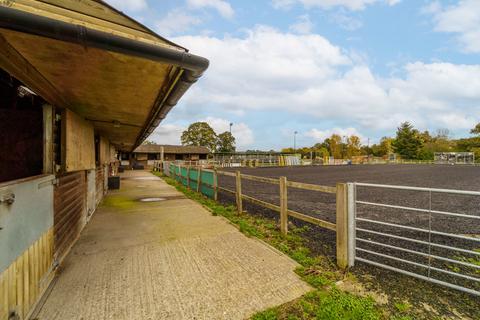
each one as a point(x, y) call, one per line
point(188, 177)
point(215, 184)
point(199, 178)
point(283, 206)
point(238, 191)
point(351, 215)
point(342, 226)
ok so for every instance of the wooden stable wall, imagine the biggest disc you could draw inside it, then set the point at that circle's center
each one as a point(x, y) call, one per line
point(99, 182)
point(79, 143)
point(24, 282)
point(104, 151)
point(70, 197)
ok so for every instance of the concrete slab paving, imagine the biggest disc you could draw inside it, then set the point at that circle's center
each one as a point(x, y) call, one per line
point(166, 260)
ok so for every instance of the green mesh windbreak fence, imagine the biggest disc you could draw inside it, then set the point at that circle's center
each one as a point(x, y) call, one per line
point(206, 179)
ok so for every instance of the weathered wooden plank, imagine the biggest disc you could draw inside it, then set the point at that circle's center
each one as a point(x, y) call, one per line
point(312, 220)
point(223, 173)
point(37, 267)
point(226, 190)
point(20, 286)
point(215, 185)
point(283, 206)
point(261, 203)
point(260, 179)
point(26, 282)
point(12, 287)
point(312, 187)
point(43, 257)
point(31, 274)
point(342, 226)
point(48, 139)
point(238, 194)
point(4, 295)
point(199, 179)
point(79, 144)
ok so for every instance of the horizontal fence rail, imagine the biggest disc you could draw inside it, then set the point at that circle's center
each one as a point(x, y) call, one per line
point(195, 179)
point(373, 245)
point(276, 208)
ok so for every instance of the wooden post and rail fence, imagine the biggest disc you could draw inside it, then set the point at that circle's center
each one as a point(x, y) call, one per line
point(343, 192)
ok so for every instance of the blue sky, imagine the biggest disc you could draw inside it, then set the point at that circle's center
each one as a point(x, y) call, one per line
point(322, 66)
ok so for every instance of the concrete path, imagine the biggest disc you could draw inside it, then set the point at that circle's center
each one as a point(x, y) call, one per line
point(166, 260)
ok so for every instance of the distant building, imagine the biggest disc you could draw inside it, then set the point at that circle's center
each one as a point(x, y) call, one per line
point(146, 154)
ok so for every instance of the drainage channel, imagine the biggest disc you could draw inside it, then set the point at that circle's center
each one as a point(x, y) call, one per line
point(159, 199)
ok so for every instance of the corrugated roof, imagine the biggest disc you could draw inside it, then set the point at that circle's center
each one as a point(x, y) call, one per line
point(156, 148)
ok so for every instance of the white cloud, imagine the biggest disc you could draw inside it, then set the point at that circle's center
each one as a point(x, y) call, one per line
point(267, 70)
point(328, 4)
point(303, 25)
point(129, 5)
point(462, 19)
point(176, 21)
point(320, 135)
point(167, 134)
point(241, 131)
point(345, 21)
point(223, 7)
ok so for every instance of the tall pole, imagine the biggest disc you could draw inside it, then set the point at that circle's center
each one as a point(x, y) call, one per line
point(231, 124)
point(295, 141)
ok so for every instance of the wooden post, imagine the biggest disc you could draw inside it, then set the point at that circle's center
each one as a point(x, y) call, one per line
point(283, 206)
point(48, 161)
point(342, 226)
point(188, 177)
point(199, 179)
point(238, 193)
point(215, 184)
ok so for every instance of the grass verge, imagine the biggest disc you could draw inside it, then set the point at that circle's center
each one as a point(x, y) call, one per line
point(326, 301)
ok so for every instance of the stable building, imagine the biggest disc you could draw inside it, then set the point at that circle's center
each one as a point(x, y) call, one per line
point(147, 154)
point(80, 82)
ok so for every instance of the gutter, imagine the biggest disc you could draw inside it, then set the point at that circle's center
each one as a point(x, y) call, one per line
point(193, 66)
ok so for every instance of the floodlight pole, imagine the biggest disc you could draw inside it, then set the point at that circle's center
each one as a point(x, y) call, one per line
point(295, 141)
point(231, 124)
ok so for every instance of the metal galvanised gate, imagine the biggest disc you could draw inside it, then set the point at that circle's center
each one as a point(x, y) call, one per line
point(425, 233)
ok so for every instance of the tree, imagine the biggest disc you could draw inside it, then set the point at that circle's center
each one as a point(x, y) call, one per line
point(335, 146)
point(321, 153)
point(200, 134)
point(426, 137)
point(148, 142)
point(476, 130)
point(353, 146)
point(226, 142)
point(408, 142)
point(385, 147)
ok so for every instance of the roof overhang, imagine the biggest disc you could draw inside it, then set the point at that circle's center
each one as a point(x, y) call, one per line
point(123, 78)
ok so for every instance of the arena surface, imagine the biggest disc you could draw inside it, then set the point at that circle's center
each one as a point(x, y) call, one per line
point(321, 205)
